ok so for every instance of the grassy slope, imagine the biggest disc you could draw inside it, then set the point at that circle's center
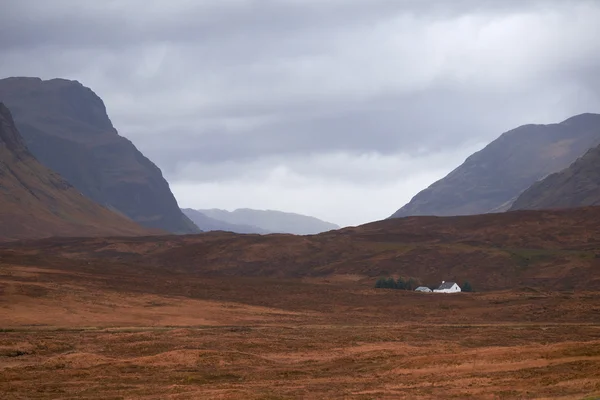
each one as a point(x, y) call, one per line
point(37, 202)
point(552, 249)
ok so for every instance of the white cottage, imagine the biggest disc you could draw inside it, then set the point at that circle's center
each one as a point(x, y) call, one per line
point(447, 287)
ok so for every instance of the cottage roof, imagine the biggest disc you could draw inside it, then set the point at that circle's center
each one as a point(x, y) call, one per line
point(446, 285)
point(423, 288)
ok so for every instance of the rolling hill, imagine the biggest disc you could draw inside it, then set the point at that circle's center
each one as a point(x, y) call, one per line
point(37, 202)
point(547, 249)
point(66, 127)
point(492, 178)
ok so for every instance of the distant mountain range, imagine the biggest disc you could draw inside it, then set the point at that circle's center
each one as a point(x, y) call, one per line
point(37, 202)
point(65, 126)
point(208, 224)
point(492, 179)
point(64, 170)
point(247, 220)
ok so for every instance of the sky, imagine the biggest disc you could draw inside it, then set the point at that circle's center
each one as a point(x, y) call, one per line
point(339, 109)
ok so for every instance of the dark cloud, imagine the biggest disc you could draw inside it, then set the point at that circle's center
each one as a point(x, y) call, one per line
point(342, 95)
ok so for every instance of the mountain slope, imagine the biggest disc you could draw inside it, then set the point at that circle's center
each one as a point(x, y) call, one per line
point(65, 126)
point(36, 202)
point(207, 223)
point(491, 179)
point(575, 186)
point(272, 221)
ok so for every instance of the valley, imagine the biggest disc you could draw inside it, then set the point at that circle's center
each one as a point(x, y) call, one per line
point(276, 200)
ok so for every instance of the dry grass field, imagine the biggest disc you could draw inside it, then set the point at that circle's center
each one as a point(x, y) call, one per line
point(86, 331)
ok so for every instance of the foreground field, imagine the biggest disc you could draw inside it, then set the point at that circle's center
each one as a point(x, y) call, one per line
point(280, 362)
point(145, 333)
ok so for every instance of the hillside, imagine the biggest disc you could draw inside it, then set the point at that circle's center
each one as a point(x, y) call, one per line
point(576, 186)
point(208, 224)
point(548, 249)
point(272, 221)
point(492, 178)
point(66, 127)
point(37, 202)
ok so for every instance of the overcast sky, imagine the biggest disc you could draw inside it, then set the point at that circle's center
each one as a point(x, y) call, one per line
point(340, 109)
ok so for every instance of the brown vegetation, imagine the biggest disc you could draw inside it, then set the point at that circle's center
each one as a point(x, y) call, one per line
point(79, 330)
point(549, 249)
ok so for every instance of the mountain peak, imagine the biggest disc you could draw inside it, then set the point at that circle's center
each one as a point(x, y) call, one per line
point(66, 127)
point(492, 178)
point(37, 202)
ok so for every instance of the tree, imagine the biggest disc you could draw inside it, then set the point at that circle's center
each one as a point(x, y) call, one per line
point(380, 283)
point(411, 284)
point(400, 284)
point(391, 283)
point(467, 287)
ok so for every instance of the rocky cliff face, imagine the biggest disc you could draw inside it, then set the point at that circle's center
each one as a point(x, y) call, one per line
point(575, 186)
point(66, 127)
point(37, 202)
point(491, 179)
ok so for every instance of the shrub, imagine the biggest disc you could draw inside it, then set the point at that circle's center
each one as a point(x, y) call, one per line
point(467, 287)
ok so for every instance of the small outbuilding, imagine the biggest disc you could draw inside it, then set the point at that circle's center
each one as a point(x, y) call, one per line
point(447, 287)
point(422, 289)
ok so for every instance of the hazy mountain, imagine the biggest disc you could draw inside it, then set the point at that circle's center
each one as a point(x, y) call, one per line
point(272, 221)
point(207, 223)
point(575, 186)
point(492, 178)
point(37, 202)
point(65, 126)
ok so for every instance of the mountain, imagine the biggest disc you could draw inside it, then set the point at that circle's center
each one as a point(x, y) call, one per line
point(66, 127)
point(207, 223)
point(37, 202)
point(272, 221)
point(492, 178)
point(575, 186)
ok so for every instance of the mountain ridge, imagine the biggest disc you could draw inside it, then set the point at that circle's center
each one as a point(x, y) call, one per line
point(575, 186)
point(273, 221)
point(66, 127)
point(208, 224)
point(37, 202)
point(490, 179)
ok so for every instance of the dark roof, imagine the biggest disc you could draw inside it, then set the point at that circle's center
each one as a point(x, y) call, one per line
point(446, 285)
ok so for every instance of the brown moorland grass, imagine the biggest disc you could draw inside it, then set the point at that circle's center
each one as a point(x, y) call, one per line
point(556, 249)
point(81, 331)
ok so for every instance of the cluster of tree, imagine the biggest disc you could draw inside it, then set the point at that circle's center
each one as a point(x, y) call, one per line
point(410, 284)
point(401, 283)
point(466, 287)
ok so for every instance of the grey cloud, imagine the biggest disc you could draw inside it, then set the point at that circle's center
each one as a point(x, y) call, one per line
point(67, 23)
point(216, 91)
